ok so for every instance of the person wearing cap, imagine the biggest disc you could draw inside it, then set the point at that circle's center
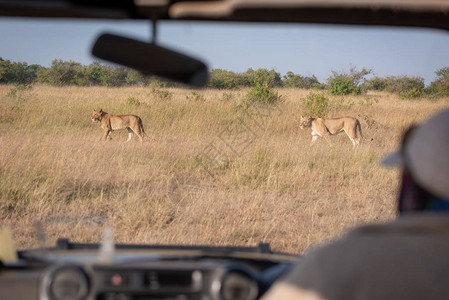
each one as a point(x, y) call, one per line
point(407, 258)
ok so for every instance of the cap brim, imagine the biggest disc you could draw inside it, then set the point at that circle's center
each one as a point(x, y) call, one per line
point(393, 159)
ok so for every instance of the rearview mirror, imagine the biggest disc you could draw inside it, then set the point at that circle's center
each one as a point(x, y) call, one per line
point(151, 59)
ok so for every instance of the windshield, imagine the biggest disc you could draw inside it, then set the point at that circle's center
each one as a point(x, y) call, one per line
point(224, 165)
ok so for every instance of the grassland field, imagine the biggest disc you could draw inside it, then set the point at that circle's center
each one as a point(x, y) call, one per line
point(211, 170)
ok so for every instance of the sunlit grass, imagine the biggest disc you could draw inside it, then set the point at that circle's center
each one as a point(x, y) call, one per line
point(267, 184)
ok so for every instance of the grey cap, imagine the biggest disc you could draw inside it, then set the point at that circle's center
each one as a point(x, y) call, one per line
point(426, 154)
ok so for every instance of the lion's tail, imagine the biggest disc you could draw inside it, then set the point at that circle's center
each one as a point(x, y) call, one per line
point(141, 127)
point(359, 127)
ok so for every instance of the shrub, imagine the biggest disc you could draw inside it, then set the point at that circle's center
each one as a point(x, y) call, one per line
point(406, 86)
point(133, 101)
point(63, 73)
point(21, 93)
point(227, 97)
point(17, 91)
point(343, 103)
point(264, 77)
point(347, 83)
point(440, 87)
point(343, 86)
point(195, 96)
point(262, 94)
point(223, 79)
point(316, 104)
point(411, 93)
point(368, 101)
point(302, 82)
point(17, 72)
point(135, 78)
point(376, 84)
point(159, 94)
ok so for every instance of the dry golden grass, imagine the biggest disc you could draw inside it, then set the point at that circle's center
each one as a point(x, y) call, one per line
point(273, 188)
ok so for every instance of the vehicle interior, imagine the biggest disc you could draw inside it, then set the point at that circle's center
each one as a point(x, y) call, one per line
point(103, 262)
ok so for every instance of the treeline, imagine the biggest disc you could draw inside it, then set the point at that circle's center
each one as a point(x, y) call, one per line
point(63, 73)
point(353, 82)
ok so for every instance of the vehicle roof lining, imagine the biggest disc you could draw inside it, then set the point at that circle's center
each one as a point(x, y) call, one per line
point(421, 13)
point(209, 9)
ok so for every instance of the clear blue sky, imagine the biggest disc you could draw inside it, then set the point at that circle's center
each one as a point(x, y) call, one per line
point(302, 49)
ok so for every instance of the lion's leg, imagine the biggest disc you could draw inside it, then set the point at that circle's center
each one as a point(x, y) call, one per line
point(142, 131)
point(328, 140)
point(314, 138)
point(140, 137)
point(354, 141)
point(352, 135)
point(138, 132)
point(106, 134)
point(130, 134)
point(359, 135)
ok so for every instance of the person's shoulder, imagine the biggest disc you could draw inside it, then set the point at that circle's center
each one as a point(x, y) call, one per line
point(412, 223)
point(409, 248)
point(381, 246)
point(376, 239)
point(367, 245)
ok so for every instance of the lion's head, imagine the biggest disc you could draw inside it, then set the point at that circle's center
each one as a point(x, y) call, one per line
point(96, 115)
point(305, 122)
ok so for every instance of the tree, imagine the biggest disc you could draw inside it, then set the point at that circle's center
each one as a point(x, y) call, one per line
point(341, 83)
point(302, 82)
point(67, 73)
point(17, 72)
point(224, 79)
point(441, 83)
point(269, 78)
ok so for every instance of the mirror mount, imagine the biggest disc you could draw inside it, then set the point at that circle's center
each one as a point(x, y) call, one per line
point(154, 31)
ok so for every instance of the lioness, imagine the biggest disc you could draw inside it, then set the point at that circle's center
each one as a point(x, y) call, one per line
point(325, 127)
point(110, 123)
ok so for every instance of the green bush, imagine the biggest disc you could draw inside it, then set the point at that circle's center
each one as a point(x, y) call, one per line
point(343, 86)
point(406, 87)
point(195, 96)
point(411, 93)
point(17, 91)
point(227, 97)
point(262, 94)
point(316, 104)
point(376, 84)
point(263, 77)
point(21, 93)
point(136, 78)
point(347, 83)
point(132, 101)
point(302, 82)
point(223, 79)
point(368, 101)
point(160, 94)
point(63, 73)
point(17, 72)
point(439, 87)
point(342, 103)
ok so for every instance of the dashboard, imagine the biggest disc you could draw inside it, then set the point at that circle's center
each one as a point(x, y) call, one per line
point(144, 272)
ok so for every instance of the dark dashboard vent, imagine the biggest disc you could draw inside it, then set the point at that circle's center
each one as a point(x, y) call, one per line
point(170, 279)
